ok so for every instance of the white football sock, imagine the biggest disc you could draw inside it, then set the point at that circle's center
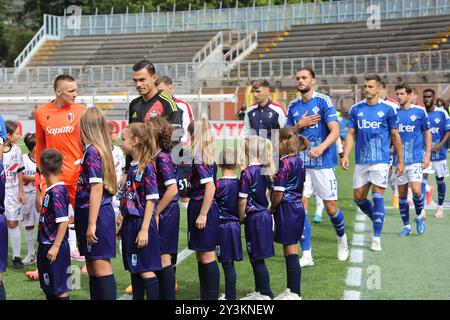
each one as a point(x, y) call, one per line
point(72, 240)
point(29, 238)
point(16, 241)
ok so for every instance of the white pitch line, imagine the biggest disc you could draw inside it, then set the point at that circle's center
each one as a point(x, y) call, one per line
point(360, 227)
point(358, 240)
point(352, 295)
point(354, 276)
point(356, 255)
point(361, 218)
point(183, 255)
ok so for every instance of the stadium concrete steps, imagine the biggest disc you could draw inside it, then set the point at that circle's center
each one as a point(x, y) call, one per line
point(43, 53)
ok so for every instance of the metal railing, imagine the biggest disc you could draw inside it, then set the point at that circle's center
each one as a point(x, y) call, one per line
point(264, 18)
point(424, 62)
point(345, 66)
point(212, 45)
point(241, 49)
point(50, 30)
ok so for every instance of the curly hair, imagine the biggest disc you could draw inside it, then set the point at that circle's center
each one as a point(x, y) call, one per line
point(163, 133)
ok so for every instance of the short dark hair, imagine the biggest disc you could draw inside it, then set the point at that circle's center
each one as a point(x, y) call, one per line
point(260, 83)
point(30, 140)
point(227, 159)
point(430, 90)
point(51, 161)
point(163, 79)
point(375, 77)
point(310, 70)
point(11, 126)
point(405, 86)
point(62, 77)
point(145, 64)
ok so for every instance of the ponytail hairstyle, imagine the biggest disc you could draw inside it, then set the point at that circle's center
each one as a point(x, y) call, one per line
point(30, 141)
point(95, 131)
point(201, 140)
point(163, 133)
point(257, 149)
point(144, 133)
point(291, 142)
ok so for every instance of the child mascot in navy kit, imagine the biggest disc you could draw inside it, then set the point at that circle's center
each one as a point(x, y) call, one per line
point(167, 208)
point(203, 213)
point(53, 256)
point(94, 213)
point(255, 182)
point(287, 207)
point(139, 231)
point(229, 247)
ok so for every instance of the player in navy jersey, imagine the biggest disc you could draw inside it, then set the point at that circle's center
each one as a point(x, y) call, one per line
point(253, 210)
point(414, 130)
point(287, 207)
point(167, 208)
point(229, 247)
point(314, 116)
point(266, 115)
point(203, 213)
point(440, 132)
point(53, 257)
point(372, 122)
point(138, 230)
point(94, 213)
point(3, 225)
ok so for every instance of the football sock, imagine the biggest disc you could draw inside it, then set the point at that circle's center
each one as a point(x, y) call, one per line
point(262, 278)
point(16, 242)
point(106, 287)
point(338, 223)
point(2, 291)
point(151, 286)
point(138, 286)
point(72, 240)
point(202, 280)
point(50, 296)
point(365, 206)
point(293, 272)
point(29, 238)
point(305, 240)
point(212, 280)
point(174, 258)
point(403, 206)
point(93, 287)
point(166, 278)
point(378, 213)
point(319, 206)
point(441, 190)
point(419, 204)
point(230, 280)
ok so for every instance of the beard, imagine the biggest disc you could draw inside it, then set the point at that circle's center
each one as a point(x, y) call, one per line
point(428, 104)
point(304, 90)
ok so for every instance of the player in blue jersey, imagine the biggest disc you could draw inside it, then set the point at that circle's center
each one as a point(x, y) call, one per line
point(94, 213)
point(287, 207)
point(3, 225)
point(53, 257)
point(314, 117)
point(203, 213)
point(372, 123)
point(440, 133)
point(253, 210)
point(167, 208)
point(414, 130)
point(141, 248)
point(229, 247)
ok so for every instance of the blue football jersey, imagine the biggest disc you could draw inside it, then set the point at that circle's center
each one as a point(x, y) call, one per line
point(290, 178)
point(226, 196)
point(373, 125)
point(253, 186)
point(439, 125)
point(200, 175)
point(412, 125)
point(166, 173)
point(319, 104)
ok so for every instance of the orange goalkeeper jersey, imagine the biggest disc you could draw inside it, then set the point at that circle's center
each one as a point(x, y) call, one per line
point(59, 128)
